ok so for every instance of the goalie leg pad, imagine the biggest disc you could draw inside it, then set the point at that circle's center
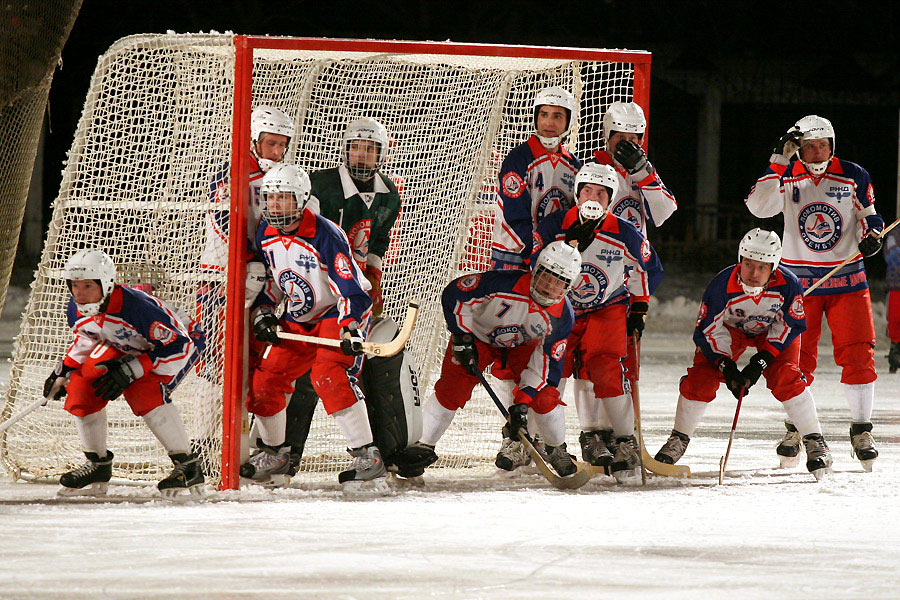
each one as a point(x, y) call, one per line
point(300, 411)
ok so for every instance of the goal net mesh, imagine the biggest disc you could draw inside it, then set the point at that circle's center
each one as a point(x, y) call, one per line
point(157, 126)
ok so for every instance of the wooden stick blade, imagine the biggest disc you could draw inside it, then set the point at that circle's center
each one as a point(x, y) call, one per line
point(569, 482)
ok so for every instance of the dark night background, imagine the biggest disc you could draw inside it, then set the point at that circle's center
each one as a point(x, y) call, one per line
point(768, 64)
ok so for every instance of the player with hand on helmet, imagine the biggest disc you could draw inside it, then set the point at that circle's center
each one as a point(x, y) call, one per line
point(619, 272)
point(127, 343)
point(829, 214)
point(757, 303)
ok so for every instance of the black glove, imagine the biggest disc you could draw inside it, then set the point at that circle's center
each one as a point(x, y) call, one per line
point(120, 373)
point(464, 351)
point(734, 381)
point(265, 327)
point(635, 321)
point(870, 245)
point(59, 379)
point(583, 233)
point(351, 339)
point(630, 156)
point(788, 144)
point(517, 421)
point(756, 366)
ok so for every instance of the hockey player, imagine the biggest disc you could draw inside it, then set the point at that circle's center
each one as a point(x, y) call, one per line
point(128, 343)
point(754, 304)
point(619, 271)
point(892, 257)
point(324, 292)
point(829, 214)
point(518, 322)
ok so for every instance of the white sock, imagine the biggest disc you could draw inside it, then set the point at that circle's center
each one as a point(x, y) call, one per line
point(688, 415)
point(620, 411)
point(92, 432)
point(861, 398)
point(271, 429)
point(353, 422)
point(552, 425)
point(588, 407)
point(435, 421)
point(801, 411)
point(166, 424)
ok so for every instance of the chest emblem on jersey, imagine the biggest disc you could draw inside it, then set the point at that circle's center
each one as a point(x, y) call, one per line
point(299, 291)
point(507, 336)
point(342, 266)
point(359, 240)
point(161, 333)
point(513, 184)
point(838, 191)
point(588, 290)
point(558, 350)
point(537, 330)
point(821, 226)
point(629, 208)
point(123, 334)
point(551, 202)
point(796, 309)
point(305, 262)
point(468, 283)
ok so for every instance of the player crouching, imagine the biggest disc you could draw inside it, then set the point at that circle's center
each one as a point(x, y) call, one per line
point(310, 267)
point(756, 303)
point(126, 343)
point(518, 322)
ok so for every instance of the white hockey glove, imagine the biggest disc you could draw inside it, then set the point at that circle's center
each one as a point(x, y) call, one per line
point(256, 281)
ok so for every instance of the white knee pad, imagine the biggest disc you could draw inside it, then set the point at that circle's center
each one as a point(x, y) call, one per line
point(801, 411)
point(166, 424)
point(688, 415)
point(552, 425)
point(353, 422)
point(620, 411)
point(861, 399)
point(435, 421)
point(92, 432)
point(591, 413)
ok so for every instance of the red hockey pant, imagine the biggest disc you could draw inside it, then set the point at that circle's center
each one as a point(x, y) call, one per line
point(852, 335)
point(595, 350)
point(893, 315)
point(142, 396)
point(783, 376)
point(454, 387)
point(333, 372)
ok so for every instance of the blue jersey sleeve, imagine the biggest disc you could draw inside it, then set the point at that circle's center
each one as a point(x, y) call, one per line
point(343, 273)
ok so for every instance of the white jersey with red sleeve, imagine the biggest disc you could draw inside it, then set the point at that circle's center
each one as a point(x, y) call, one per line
point(824, 220)
point(639, 201)
point(533, 184)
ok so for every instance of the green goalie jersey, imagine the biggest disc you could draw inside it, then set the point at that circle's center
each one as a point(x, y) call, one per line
point(366, 217)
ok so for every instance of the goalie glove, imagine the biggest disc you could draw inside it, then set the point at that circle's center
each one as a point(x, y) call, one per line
point(465, 353)
point(120, 373)
point(351, 339)
point(870, 244)
point(265, 326)
point(758, 363)
point(374, 274)
point(634, 323)
point(256, 281)
point(631, 157)
point(55, 385)
point(734, 381)
point(788, 144)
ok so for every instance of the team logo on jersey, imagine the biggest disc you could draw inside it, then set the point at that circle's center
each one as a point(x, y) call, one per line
point(513, 184)
point(299, 291)
point(161, 333)
point(359, 240)
point(629, 208)
point(796, 309)
point(838, 191)
point(558, 350)
point(122, 334)
point(222, 193)
point(342, 266)
point(821, 226)
point(552, 201)
point(589, 289)
point(469, 282)
point(507, 336)
point(701, 314)
point(646, 253)
point(870, 194)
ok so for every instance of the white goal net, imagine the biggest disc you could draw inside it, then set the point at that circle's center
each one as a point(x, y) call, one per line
point(158, 124)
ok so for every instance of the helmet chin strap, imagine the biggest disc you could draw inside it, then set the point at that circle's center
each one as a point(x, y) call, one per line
point(816, 168)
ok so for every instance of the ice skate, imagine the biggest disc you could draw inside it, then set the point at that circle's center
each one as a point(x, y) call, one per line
point(672, 451)
point(512, 455)
point(187, 475)
point(626, 465)
point(894, 357)
point(609, 439)
point(818, 457)
point(366, 473)
point(788, 449)
point(92, 479)
point(593, 449)
point(560, 459)
point(863, 444)
point(269, 466)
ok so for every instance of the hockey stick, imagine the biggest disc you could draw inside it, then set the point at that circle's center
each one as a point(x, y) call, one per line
point(649, 463)
point(856, 255)
point(24, 413)
point(636, 402)
point(388, 349)
point(724, 460)
point(570, 482)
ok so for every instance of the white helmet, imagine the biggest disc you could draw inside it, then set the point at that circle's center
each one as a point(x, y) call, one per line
point(761, 245)
point(555, 272)
point(366, 128)
point(266, 119)
point(280, 179)
point(556, 96)
point(95, 265)
point(598, 174)
point(627, 117)
point(814, 127)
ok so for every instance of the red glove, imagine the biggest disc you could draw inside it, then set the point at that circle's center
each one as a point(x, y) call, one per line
point(373, 274)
